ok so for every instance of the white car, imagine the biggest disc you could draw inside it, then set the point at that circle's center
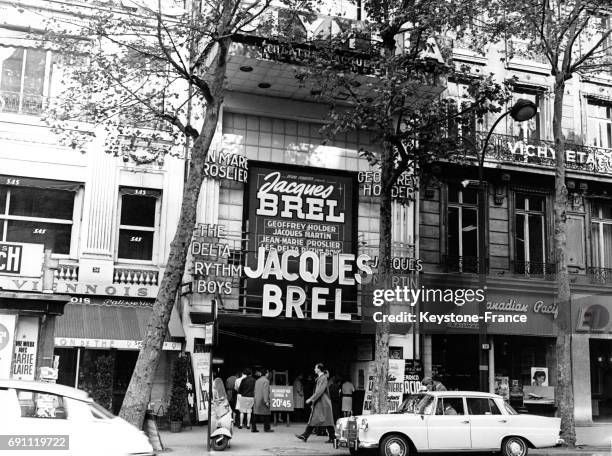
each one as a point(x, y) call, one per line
point(450, 421)
point(46, 418)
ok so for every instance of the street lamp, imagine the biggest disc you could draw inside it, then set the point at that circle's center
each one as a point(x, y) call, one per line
point(521, 111)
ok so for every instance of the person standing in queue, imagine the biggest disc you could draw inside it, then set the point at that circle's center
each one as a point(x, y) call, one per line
point(261, 409)
point(298, 397)
point(321, 414)
point(246, 392)
point(347, 397)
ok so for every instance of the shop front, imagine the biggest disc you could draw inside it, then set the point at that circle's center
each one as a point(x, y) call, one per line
point(519, 329)
point(592, 357)
point(27, 319)
point(99, 338)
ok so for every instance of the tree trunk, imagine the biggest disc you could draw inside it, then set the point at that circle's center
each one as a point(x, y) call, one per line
point(381, 363)
point(139, 390)
point(564, 394)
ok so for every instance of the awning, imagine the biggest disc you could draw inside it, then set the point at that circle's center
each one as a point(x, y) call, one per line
point(18, 181)
point(109, 326)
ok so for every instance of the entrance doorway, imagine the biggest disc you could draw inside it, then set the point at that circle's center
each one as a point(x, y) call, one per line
point(601, 378)
point(455, 361)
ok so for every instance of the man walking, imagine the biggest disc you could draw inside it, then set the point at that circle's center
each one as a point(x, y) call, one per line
point(321, 414)
point(261, 409)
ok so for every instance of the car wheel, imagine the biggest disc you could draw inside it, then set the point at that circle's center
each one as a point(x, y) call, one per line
point(220, 443)
point(394, 445)
point(514, 446)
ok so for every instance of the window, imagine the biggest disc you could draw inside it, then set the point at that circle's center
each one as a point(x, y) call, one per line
point(462, 228)
point(482, 406)
point(37, 215)
point(99, 412)
point(35, 404)
point(599, 124)
point(601, 234)
point(462, 127)
point(530, 244)
point(449, 406)
point(529, 130)
point(138, 224)
point(509, 409)
point(24, 79)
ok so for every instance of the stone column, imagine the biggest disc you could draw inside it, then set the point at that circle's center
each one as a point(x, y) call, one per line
point(581, 375)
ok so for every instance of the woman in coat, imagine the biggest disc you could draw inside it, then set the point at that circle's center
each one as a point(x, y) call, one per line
point(321, 414)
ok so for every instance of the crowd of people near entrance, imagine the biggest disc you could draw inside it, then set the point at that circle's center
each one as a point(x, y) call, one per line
point(319, 397)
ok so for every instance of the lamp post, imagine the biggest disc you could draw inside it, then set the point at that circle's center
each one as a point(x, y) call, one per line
point(521, 111)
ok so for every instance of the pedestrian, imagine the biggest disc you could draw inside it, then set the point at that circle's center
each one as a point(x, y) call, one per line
point(261, 409)
point(246, 390)
point(335, 394)
point(321, 414)
point(347, 397)
point(230, 382)
point(432, 385)
point(241, 377)
point(298, 397)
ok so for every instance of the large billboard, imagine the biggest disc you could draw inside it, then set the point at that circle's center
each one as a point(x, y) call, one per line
point(301, 243)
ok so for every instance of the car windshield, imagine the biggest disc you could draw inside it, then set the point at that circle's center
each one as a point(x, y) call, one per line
point(509, 409)
point(410, 403)
point(425, 405)
point(100, 412)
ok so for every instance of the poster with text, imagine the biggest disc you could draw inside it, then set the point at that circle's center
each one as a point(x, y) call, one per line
point(395, 386)
point(26, 341)
point(201, 374)
point(7, 334)
point(413, 374)
point(539, 376)
point(299, 212)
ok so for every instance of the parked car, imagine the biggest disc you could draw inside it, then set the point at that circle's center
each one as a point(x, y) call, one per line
point(448, 421)
point(66, 420)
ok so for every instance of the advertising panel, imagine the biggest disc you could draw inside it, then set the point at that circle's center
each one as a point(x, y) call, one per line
point(281, 398)
point(395, 386)
point(201, 374)
point(301, 242)
point(19, 259)
point(7, 334)
point(26, 340)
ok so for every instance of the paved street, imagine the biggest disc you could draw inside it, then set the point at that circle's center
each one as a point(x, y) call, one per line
point(592, 441)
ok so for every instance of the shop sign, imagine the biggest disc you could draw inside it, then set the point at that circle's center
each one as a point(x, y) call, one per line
point(111, 302)
point(593, 316)
point(7, 333)
point(201, 375)
point(213, 272)
point(413, 374)
point(281, 398)
point(48, 374)
point(404, 189)
point(227, 166)
point(109, 343)
point(26, 341)
point(576, 157)
point(301, 226)
point(79, 288)
point(21, 259)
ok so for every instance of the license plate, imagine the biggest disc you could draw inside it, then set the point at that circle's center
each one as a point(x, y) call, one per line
point(343, 444)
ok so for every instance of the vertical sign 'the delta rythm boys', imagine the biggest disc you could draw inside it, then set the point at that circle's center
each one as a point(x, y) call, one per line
point(301, 242)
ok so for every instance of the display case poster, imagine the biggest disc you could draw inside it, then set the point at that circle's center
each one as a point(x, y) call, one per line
point(281, 398)
point(7, 334)
point(502, 386)
point(413, 374)
point(395, 387)
point(539, 376)
point(201, 374)
point(26, 341)
point(305, 210)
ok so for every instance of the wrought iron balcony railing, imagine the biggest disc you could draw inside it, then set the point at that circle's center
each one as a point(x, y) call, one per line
point(512, 149)
point(20, 103)
point(600, 276)
point(535, 269)
point(464, 264)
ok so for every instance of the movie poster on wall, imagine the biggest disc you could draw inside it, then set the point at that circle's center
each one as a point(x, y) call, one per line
point(7, 333)
point(201, 374)
point(26, 345)
point(309, 212)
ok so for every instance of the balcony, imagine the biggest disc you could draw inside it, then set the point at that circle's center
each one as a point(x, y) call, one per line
point(20, 103)
point(537, 153)
point(600, 276)
point(463, 264)
point(68, 272)
point(136, 276)
point(534, 270)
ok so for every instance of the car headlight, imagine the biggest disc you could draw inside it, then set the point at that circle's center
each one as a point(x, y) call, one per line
point(364, 425)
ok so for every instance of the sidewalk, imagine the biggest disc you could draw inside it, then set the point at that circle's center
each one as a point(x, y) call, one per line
point(592, 441)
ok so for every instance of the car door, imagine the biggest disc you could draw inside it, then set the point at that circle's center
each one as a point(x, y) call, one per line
point(449, 427)
point(487, 423)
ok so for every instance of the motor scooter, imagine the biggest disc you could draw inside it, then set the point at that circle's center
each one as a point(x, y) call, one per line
point(222, 423)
